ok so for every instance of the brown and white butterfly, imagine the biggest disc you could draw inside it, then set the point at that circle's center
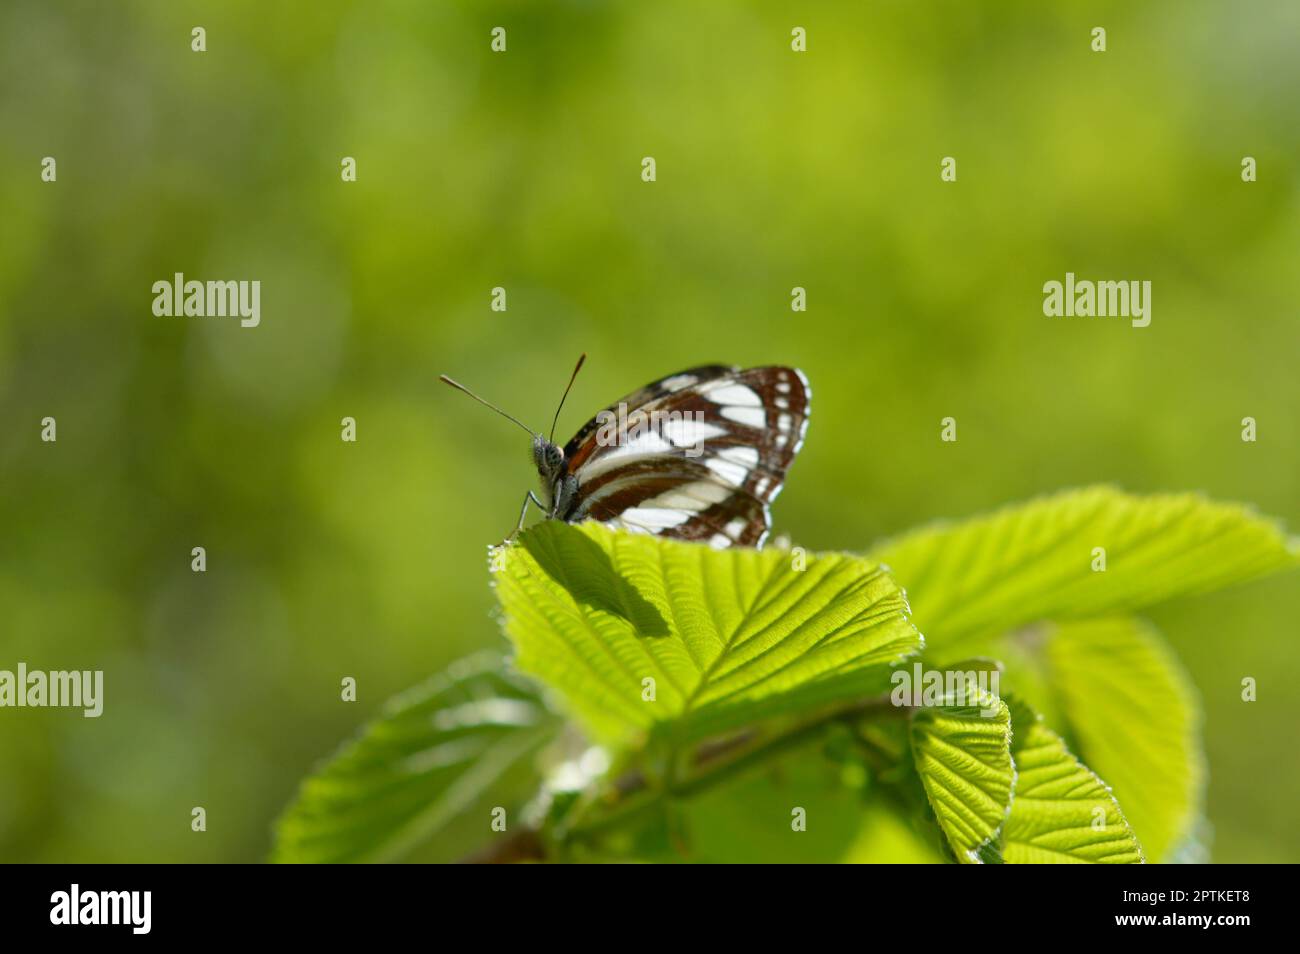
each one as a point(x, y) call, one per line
point(697, 455)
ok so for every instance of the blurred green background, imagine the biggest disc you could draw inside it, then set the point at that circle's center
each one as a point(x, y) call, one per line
point(522, 169)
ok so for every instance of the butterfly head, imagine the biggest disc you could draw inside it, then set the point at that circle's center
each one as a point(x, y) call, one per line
point(549, 459)
point(547, 455)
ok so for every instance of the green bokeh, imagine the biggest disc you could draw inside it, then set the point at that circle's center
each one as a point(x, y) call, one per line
point(522, 170)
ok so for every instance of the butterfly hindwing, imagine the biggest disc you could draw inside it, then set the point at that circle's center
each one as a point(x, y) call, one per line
point(708, 470)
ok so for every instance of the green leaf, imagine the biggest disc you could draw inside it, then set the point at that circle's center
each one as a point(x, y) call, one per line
point(1035, 561)
point(750, 818)
point(963, 757)
point(1061, 811)
point(1133, 713)
point(432, 752)
point(885, 837)
point(727, 636)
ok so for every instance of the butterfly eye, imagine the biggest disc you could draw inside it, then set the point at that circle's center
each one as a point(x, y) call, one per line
point(554, 457)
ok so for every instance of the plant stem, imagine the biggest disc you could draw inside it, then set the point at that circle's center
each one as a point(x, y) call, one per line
point(715, 767)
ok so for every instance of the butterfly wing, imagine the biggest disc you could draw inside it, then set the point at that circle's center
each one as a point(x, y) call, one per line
point(643, 397)
point(708, 469)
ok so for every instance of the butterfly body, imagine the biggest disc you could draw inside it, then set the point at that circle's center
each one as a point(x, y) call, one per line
point(559, 486)
point(696, 455)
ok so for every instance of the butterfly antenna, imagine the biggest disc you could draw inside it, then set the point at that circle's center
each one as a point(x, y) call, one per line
point(460, 387)
point(578, 367)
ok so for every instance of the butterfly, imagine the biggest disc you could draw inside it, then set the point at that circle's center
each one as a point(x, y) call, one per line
point(696, 455)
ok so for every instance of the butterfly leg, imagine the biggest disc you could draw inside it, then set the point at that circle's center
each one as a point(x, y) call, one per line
point(523, 513)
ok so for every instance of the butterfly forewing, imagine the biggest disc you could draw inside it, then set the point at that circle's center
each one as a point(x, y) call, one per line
point(578, 446)
point(698, 455)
